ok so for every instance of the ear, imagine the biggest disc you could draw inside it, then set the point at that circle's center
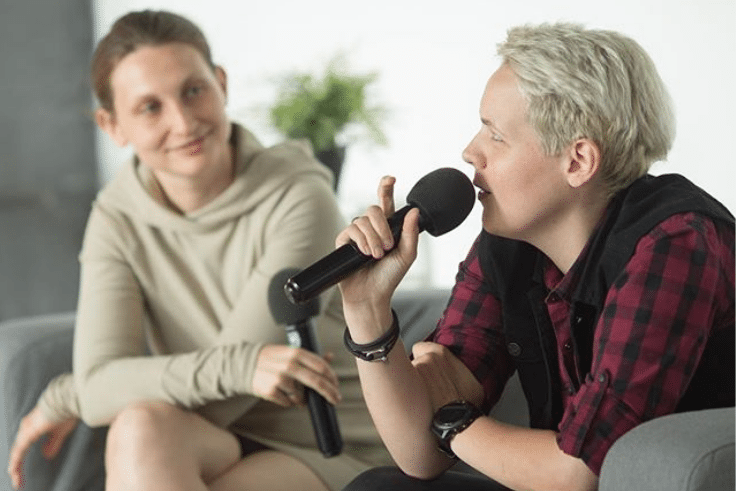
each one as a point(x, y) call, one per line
point(583, 162)
point(222, 79)
point(107, 123)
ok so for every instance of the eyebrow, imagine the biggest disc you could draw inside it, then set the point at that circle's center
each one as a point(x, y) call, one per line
point(183, 83)
point(488, 122)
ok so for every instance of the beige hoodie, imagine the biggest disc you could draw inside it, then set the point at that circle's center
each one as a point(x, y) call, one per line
point(192, 289)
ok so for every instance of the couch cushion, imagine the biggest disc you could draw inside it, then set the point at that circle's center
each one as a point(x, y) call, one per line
point(34, 350)
point(679, 452)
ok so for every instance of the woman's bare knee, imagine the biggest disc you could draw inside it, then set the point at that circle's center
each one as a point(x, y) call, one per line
point(149, 441)
point(134, 439)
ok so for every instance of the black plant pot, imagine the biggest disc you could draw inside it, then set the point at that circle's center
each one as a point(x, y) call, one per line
point(333, 158)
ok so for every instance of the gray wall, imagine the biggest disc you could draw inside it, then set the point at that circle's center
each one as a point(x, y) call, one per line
point(47, 157)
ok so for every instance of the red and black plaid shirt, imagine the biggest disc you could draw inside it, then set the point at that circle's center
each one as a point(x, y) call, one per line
point(676, 289)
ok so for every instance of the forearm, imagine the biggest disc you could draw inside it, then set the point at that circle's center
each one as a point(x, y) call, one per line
point(188, 380)
point(399, 404)
point(521, 458)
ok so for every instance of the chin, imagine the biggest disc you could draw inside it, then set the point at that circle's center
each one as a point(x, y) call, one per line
point(492, 227)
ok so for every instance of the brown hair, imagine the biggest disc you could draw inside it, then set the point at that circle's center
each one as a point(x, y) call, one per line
point(137, 29)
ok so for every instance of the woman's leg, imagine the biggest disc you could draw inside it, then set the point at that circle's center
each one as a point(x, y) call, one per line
point(156, 446)
point(269, 470)
point(382, 478)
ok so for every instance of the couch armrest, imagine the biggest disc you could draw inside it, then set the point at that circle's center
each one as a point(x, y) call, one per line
point(34, 350)
point(678, 452)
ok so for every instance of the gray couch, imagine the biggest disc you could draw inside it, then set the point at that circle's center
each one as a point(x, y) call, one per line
point(690, 451)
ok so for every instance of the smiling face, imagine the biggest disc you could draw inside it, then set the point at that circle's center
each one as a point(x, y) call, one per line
point(522, 189)
point(169, 105)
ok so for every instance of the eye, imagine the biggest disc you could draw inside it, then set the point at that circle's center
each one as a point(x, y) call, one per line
point(193, 91)
point(496, 137)
point(149, 107)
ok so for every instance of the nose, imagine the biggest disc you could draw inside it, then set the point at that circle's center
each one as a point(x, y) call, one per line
point(470, 154)
point(181, 118)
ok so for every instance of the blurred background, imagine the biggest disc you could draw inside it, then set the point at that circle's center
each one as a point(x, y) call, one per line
point(431, 61)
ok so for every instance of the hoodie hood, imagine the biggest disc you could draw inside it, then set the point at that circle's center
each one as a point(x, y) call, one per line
point(259, 172)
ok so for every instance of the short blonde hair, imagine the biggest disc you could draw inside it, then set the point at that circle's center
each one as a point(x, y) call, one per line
point(593, 84)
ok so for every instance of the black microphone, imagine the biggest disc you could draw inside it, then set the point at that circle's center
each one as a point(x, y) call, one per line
point(444, 197)
point(300, 334)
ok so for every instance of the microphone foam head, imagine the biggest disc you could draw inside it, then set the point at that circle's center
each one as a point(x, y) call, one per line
point(444, 197)
point(284, 311)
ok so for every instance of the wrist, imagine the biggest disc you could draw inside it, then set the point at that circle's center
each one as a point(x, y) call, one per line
point(368, 321)
point(377, 349)
point(452, 419)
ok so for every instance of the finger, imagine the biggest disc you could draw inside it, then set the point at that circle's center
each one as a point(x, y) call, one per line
point(16, 478)
point(280, 367)
point(319, 365)
point(371, 233)
point(279, 397)
point(56, 439)
point(23, 441)
point(379, 230)
point(437, 379)
point(410, 235)
point(294, 394)
point(423, 347)
point(435, 382)
point(448, 368)
point(386, 195)
point(323, 383)
point(15, 472)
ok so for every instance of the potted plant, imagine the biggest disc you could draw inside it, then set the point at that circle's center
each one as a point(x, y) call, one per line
point(322, 108)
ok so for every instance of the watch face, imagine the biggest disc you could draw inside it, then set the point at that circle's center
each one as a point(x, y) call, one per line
point(451, 414)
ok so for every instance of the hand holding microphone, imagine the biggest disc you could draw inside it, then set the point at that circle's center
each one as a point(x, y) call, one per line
point(391, 247)
point(444, 198)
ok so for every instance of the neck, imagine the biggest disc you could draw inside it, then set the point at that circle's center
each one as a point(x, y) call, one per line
point(185, 194)
point(565, 239)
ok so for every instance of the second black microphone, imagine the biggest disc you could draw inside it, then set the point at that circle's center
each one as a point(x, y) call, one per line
point(300, 334)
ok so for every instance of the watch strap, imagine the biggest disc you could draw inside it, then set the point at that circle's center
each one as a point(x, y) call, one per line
point(445, 435)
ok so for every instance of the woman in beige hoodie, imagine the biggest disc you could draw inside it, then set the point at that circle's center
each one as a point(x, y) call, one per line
point(175, 347)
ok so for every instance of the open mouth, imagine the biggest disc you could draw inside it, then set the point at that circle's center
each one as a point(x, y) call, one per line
point(482, 191)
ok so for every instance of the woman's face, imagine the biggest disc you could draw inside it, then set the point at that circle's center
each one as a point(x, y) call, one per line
point(522, 189)
point(170, 106)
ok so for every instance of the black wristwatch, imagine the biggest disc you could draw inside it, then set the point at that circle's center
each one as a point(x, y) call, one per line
point(451, 419)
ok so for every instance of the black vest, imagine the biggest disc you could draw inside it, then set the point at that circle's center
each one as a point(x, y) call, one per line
point(514, 272)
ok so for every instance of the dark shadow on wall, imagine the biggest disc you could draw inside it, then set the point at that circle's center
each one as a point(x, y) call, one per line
point(48, 174)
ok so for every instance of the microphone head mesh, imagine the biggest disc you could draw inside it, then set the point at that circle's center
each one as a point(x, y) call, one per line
point(284, 311)
point(444, 197)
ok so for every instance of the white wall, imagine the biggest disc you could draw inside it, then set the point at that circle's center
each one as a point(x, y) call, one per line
point(434, 59)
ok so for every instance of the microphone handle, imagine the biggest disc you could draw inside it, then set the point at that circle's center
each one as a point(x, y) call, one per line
point(324, 422)
point(337, 265)
point(321, 412)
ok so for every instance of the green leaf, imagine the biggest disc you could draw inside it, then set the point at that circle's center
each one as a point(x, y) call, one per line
point(320, 108)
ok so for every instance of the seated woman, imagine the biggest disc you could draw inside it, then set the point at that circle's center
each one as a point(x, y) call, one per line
point(177, 257)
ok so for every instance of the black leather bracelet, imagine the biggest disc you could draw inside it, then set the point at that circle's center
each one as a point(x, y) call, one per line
point(378, 349)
